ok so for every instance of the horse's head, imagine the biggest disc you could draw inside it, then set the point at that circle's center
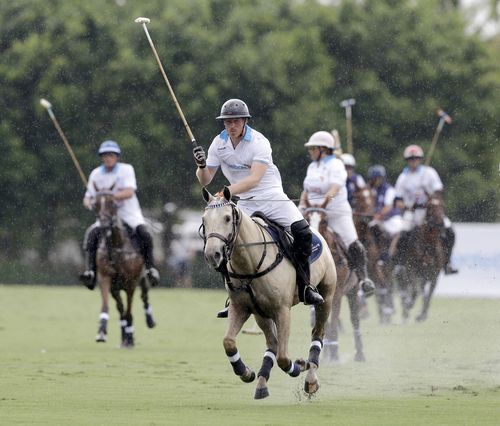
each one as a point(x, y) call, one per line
point(220, 227)
point(105, 206)
point(364, 202)
point(317, 218)
point(435, 214)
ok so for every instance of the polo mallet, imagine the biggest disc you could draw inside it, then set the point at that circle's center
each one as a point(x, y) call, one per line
point(48, 106)
point(348, 104)
point(443, 118)
point(145, 21)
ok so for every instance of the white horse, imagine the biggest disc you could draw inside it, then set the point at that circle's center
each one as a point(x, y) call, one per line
point(261, 281)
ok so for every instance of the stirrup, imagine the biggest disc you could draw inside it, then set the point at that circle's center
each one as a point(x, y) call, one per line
point(312, 297)
point(153, 276)
point(224, 313)
point(448, 270)
point(88, 279)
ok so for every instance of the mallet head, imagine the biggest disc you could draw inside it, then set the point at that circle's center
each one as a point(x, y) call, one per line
point(142, 20)
point(45, 103)
point(444, 116)
point(347, 103)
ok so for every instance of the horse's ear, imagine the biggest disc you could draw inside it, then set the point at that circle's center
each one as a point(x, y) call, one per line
point(95, 187)
point(227, 193)
point(206, 195)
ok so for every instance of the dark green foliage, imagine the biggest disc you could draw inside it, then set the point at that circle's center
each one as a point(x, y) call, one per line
point(292, 62)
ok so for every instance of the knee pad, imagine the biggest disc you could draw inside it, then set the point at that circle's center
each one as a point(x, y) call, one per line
point(302, 237)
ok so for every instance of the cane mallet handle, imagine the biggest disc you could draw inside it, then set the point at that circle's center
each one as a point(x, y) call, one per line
point(443, 118)
point(144, 21)
point(48, 106)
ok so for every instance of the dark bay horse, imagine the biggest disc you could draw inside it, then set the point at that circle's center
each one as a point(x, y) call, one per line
point(423, 257)
point(261, 281)
point(119, 268)
point(347, 285)
point(372, 239)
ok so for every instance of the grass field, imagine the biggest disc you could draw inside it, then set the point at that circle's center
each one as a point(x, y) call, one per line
point(443, 372)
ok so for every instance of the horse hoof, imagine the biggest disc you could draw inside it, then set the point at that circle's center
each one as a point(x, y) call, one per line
point(311, 388)
point(248, 376)
point(304, 365)
point(150, 322)
point(261, 393)
point(359, 357)
point(101, 338)
point(421, 318)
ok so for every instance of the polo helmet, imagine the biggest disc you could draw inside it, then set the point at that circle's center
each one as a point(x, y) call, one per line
point(376, 171)
point(321, 138)
point(348, 160)
point(413, 151)
point(109, 146)
point(234, 108)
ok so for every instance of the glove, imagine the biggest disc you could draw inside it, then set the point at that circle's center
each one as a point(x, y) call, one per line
point(88, 203)
point(199, 157)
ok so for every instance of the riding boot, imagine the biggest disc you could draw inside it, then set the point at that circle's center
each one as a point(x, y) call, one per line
point(146, 246)
point(302, 239)
point(448, 242)
point(358, 262)
point(88, 277)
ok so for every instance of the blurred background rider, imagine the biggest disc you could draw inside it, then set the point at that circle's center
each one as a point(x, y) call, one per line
point(354, 180)
point(121, 177)
point(325, 186)
point(413, 186)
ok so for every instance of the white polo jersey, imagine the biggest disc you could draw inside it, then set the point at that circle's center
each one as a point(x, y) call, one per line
point(268, 195)
point(122, 176)
point(413, 186)
point(320, 177)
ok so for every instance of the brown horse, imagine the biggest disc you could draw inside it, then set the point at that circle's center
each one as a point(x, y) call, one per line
point(261, 281)
point(119, 267)
point(373, 239)
point(347, 285)
point(423, 257)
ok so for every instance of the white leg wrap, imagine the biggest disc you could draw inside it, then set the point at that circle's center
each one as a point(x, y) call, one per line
point(149, 310)
point(104, 315)
point(291, 369)
point(270, 355)
point(129, 329)
point(123, 323)
point(234, 358)
point(317, 343)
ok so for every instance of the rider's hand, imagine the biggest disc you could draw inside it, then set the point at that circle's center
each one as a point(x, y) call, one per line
point(88, 203)
point(199, 157)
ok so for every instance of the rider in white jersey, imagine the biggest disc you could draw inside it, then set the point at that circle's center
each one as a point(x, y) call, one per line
point(325, 186)
point(120, 178)
point(412, 188)
point(245, 157)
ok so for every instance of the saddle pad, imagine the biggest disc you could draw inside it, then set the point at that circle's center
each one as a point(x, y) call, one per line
point(316, 246)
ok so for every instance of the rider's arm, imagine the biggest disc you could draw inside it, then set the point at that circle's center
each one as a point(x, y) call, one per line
point(332, 192)
point(205, 175)
point(123, 194)
point(257, 171)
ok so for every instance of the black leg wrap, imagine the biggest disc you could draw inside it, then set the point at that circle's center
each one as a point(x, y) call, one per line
point(302, 239)
point(238, 365)
point(267, 364)
point(90, 245)
point(146, 244)
point(315, 351)
point(448, 242)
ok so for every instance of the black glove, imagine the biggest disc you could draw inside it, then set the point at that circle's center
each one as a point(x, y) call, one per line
point(199, 157)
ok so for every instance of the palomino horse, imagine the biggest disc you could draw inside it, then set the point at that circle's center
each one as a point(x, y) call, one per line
point(423, 257)
point(119, 267)
point(261, 281)
point(347, 284)
point(380, 273)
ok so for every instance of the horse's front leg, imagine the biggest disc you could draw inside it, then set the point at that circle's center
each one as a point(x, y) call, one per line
point(237, 316)
point(427, 295)
point(148, 310)
point(269, 328)
point(129, 328)
point(115, 292)
point(283, 332)
point(354, 308)
point(102, 331)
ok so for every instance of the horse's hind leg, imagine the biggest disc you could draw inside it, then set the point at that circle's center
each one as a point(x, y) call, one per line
point(269, 329)
point(427, 294)
point(148, 310)
point(115, 292)
point(102, 331)
point(237, 318)
point(331, 341)
point(352, 297)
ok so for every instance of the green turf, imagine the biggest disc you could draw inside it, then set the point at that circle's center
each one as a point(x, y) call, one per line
point(444, 372)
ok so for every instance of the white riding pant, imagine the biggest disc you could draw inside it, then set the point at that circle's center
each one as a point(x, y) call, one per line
point(284, 212)
point(341, 222)
point(416, 218)
point(393, 225)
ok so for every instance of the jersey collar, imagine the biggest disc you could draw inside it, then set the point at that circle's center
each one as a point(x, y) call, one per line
point(246, 137)
point(113, 170)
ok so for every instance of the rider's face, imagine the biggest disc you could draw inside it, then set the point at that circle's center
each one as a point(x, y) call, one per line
point(109, 159)
point(314, 153)
point(234, 127)
point(413, 162)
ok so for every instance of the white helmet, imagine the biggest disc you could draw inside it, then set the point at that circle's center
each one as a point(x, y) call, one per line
point(321, 138)
point(413, 151)
point(348, 160)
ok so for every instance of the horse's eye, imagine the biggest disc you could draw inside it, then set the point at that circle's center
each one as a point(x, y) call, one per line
point(227, 218)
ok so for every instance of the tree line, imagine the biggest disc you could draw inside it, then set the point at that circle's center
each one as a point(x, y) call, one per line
point(291, 61)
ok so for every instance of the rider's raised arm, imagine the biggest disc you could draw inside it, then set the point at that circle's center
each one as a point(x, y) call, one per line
point(257, 172)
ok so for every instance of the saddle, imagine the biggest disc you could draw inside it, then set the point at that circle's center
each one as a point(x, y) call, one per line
point(284, 240)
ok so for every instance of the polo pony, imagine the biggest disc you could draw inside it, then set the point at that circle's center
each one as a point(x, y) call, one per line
point(261, 281)
point(119, 268)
